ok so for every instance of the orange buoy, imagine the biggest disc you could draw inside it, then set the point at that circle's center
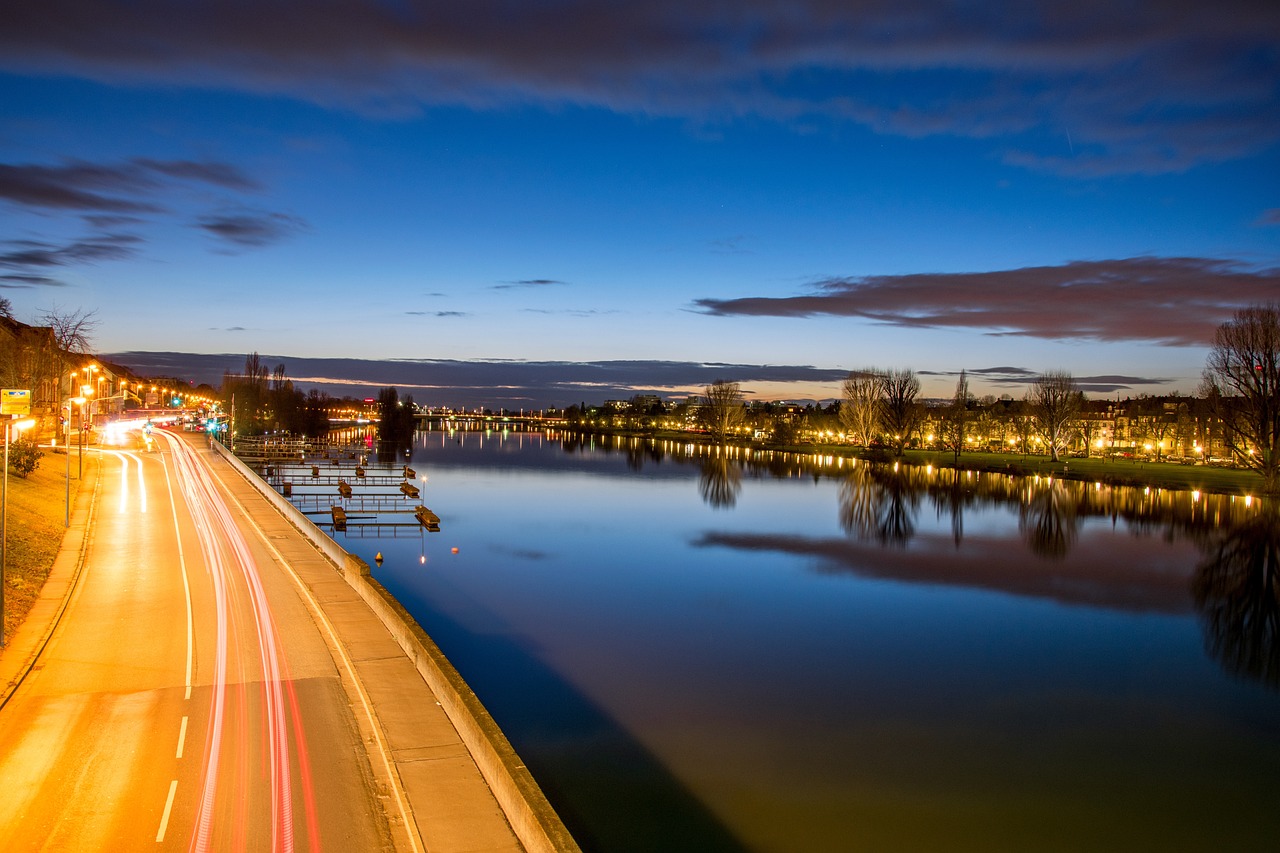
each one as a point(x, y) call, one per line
point(454, 549)
point(377, 558)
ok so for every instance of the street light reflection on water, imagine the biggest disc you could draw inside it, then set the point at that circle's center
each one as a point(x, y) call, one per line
point(783, 651)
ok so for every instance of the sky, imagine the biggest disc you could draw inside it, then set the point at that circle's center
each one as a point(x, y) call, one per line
point(541, 203)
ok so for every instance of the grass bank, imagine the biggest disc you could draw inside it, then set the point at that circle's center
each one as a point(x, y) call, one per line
point(1115, 472)
point(36, 523)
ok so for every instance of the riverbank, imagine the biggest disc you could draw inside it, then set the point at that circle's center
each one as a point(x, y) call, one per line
point(1114, 472)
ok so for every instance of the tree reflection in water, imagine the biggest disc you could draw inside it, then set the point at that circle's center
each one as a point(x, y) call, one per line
point(878, 502)
point(720, 481)
point(1237, 592)
point(1048, 519)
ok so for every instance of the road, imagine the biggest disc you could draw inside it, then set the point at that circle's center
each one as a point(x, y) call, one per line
point(165, 712)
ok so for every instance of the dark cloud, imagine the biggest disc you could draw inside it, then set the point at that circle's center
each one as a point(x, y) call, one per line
point(1270, 216)
point(107, 221)
point(514, 384)
point(68, 187)
point(121, 188)
point(1091, 87)
point(19, 254)
point(26, 280)
point(251, 229)
point(437, 313)
point(1020, 378)
point(1175, 301)
point(528, 282)
point(487, 382)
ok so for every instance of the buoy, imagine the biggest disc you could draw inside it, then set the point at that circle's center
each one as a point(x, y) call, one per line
point(377, 558)
point(454, 549)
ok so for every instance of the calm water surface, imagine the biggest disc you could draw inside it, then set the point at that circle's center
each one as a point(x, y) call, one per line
point(695, 652)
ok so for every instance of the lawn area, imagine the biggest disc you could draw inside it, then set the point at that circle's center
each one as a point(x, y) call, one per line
point(1124, 472)
point(36, 522)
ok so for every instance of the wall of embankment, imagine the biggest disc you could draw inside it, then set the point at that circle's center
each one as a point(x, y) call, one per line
point(531, 816)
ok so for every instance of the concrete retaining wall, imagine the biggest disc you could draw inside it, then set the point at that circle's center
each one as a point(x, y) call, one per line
point(532, 818)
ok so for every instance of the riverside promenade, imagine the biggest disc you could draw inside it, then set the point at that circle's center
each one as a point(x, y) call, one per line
point(445, 776)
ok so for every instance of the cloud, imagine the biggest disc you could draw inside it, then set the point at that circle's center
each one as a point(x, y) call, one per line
point(1173, 301)
point(491, 382)
point(1270, 216)
point(528, 282)
point(251, 229)
point(573, 312)
point(34, 253)
point(1021, 377)
point(1092, 87)
point(105, 221)
point(730, 246)
point(15, 281)
point(119, 188)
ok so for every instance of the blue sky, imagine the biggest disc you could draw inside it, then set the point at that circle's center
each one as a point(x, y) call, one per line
point(813, 187)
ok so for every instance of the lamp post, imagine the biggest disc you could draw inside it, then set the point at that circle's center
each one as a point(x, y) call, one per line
point(79, 401)
point(85, 392)
point(10, 426)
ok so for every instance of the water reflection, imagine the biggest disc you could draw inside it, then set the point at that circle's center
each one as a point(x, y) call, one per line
point(1237, 593)
point(1049, 521)
point(720, 482)
point(879, 503)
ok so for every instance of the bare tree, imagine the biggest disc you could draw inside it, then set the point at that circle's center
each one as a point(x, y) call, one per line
point(1055, 400)
point(72, 330)
point(900, 409)
point(6, 307)
point(724, 409)
point(860, 408)
point(956, 417)
point(1242, 384)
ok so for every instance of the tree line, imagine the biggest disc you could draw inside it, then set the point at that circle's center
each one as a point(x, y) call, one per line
point(1240, 392)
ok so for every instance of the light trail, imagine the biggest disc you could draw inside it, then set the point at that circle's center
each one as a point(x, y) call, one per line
point(226, 552)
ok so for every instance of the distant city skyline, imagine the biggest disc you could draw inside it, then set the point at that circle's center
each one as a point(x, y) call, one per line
point(647, 197)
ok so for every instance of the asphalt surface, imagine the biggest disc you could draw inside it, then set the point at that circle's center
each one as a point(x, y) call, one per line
point(198, 676)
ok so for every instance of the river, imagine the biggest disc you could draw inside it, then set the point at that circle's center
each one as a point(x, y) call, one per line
point(732, 651)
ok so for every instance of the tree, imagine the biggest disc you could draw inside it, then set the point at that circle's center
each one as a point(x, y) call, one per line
point(900, 409)
point(73, 330)
point(723, 410)
point(1055, 400)
point(397, 419)
point(1242, 384)
point(247, 395)
point(860, 408)
point(955, 417)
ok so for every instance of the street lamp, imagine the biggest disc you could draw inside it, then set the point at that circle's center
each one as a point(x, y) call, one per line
point(11, 426)
point(79, 401)
point(86, 391)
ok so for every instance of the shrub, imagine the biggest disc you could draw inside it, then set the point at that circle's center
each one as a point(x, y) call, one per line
point(24, 456)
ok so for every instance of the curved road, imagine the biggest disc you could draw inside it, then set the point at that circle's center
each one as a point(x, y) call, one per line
point(165, 712)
